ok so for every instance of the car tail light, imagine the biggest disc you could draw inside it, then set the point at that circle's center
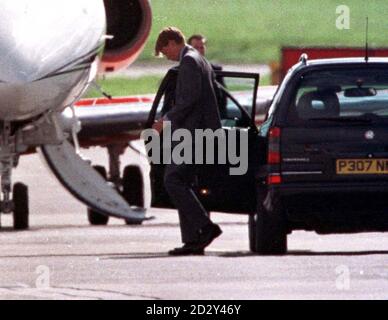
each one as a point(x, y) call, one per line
point(274, 146)
point(274, 179)
point(274, 156)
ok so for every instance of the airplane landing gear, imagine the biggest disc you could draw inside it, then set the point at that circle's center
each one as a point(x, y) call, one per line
point(18, 202)
point(18, 205)
point(130, 186)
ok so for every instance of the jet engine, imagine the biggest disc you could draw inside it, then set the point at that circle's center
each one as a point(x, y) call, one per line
point(128, 27)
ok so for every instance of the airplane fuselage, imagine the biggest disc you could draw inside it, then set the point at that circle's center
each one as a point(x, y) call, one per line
point(49, 52)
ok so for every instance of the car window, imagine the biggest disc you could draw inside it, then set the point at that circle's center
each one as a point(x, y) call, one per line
point(340, 94)
point(242, 90)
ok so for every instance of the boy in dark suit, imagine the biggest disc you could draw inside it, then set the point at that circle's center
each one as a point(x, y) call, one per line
point(195, 108)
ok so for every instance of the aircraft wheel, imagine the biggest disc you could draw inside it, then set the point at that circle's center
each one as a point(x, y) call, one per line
point(133, 189)
point(21, 208)
point(95, 218)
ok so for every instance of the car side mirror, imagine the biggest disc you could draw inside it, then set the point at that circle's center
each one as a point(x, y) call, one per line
point(242, 122)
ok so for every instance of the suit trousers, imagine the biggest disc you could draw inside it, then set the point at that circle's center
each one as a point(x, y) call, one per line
point(192, 214)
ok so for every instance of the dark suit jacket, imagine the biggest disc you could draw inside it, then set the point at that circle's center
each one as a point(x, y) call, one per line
point(170, 81)
point(195, 98)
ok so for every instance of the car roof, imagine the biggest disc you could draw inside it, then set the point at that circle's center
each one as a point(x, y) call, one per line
point(342, 61)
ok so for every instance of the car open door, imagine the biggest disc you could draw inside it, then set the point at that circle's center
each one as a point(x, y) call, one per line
point(230, 186)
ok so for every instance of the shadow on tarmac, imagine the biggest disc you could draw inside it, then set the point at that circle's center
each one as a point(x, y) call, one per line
point(146, 224)
point(305, 253)
point(243, 254)
point(217, 254)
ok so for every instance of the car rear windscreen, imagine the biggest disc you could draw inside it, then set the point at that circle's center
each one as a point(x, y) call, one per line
point(354, 94)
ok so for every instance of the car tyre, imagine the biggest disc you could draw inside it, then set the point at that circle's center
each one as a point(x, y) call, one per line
point(252, 232)
point(269, 229)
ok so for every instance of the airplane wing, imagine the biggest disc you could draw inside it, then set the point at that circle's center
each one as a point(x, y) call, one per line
point(105, 121)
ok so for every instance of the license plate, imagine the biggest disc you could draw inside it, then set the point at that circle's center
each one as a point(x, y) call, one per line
point(362, 166)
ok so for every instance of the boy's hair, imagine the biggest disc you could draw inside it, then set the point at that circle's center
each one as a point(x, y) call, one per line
point(166, 35)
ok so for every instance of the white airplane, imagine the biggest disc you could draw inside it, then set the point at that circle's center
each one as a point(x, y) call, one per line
point(50, 51)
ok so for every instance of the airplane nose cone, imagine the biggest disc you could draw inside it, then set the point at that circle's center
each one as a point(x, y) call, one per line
point(41, 36)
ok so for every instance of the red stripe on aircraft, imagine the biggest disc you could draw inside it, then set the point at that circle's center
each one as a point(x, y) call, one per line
point(105, 101)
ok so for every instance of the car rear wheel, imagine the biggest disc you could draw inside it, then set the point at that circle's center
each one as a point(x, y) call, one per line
point(95, 218)
point(252, 232)
point(268, 229)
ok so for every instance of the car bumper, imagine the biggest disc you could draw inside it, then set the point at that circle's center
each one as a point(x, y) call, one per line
point(329, 188)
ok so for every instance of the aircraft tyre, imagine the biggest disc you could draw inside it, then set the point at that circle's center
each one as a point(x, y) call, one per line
point(21, 207)
point(133, 189)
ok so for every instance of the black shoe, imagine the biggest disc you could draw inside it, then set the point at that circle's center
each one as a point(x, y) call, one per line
point(187, 250)
point(207, 234)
